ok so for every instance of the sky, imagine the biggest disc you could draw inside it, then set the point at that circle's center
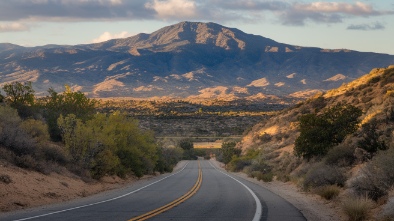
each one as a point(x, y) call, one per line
point(361, 25)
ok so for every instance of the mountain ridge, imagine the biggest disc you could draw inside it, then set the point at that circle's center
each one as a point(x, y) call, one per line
point(182, 60)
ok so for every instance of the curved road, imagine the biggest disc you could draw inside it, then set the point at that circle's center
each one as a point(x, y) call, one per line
point(217, 196)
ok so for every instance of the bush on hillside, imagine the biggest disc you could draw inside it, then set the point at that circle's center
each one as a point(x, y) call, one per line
point(320, 132)
point(357, 208)
point(341, 155)
point(227, 152)
point(377, 178)
point(370, 138)
point(238, 163)
point(324, 175)
point(12, 136)
point(37, 129)
point(328, 192)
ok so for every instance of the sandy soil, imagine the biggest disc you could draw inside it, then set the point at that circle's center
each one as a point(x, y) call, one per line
point(31, 189)
point(313, 207)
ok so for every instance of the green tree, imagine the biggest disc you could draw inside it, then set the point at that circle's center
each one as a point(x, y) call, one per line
point(188, 146)
point(18, 93)
point(318, 133)
point(109, 144)
point(21, 97)
point(66, 103)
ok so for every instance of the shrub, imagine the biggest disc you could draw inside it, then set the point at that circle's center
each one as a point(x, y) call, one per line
point(328, 192)
point(38, 130)
point(371, 138)
point(341, 155)
point(5, 179)
point(266, 177)
point(377, 177)
point(357, 208)
point(227, 152)
point(11, 135)
point(322, 175)
point(26, 161)
point(54, 153)
point(238, 163)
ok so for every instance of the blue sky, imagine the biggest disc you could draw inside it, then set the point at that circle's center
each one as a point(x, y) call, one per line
point(363, 25)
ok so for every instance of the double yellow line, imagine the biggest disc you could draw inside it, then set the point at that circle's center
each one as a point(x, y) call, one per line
point(174, 203)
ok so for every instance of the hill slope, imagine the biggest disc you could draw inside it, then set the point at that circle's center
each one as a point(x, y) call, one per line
point(188, 58)
point(353, 164)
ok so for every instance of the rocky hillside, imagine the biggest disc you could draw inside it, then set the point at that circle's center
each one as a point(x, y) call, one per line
point(372, 93)
point(200, 60)
point(359, 166)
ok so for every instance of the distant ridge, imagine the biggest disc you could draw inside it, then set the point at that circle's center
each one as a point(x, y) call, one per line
point(186, 59)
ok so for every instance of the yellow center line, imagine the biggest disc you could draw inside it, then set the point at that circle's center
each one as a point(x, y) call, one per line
point(174, 203)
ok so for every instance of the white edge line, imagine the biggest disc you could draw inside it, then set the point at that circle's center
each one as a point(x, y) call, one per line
point(100, 202)
point(259, 208)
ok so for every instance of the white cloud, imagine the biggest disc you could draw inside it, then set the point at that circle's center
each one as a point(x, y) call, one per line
point(108, 36)
point(358, 8)
point(172, 9)
point(13, 27)
point(262, 82)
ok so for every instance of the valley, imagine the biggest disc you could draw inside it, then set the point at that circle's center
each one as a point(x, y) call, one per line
point(182, 118)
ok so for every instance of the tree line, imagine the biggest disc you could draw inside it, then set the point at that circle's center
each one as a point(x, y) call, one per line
point(65, 129)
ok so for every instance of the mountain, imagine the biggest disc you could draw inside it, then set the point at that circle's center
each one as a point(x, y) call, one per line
point(202, 60)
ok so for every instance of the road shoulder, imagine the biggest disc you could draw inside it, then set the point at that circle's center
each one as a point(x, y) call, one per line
point(311, 206)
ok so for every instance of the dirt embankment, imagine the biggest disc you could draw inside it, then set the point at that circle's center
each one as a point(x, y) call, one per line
point(20, 189)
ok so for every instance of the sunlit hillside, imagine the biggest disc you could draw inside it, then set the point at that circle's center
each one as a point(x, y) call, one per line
point(358, 166)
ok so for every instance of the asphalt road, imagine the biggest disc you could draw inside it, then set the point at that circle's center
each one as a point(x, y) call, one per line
point(217, 196)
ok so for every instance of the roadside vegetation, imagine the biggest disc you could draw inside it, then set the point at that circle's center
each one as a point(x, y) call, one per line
point(63, 131)
point(338, 144)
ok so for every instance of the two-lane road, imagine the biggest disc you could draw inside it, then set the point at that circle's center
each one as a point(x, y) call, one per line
point(199, 191)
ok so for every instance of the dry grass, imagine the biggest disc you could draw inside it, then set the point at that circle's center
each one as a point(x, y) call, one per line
point(328, 192)
point(357, 208)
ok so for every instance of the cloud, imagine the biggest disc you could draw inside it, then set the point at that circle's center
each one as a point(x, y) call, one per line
point(73, 10)
point(294, 12)
point(174, 9)
point(366, 27)
point(108, 36)
point(327, 12)
point(13, 27)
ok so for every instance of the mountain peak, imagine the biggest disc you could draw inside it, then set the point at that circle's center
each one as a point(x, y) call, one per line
point(190, 33)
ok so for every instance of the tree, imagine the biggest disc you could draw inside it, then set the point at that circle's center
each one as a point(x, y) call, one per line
point(109, 144)
point(21, 97)
point(18, 93)
point(318, 133)
point(188, 146)
point(66, 103)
